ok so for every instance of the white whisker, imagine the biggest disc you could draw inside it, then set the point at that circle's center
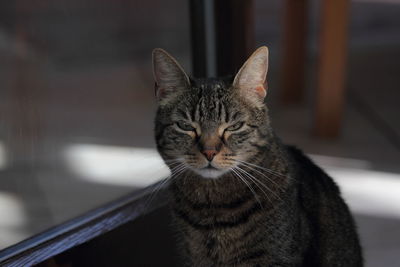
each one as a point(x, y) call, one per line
point(261, 183)
point(262, 168)
point(254, 181)
point(257, 171)
point(175, 172)
point(247, 184)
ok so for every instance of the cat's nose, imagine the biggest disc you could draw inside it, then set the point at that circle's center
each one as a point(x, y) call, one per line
point(209, 154)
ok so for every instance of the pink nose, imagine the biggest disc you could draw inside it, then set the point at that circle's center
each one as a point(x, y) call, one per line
point(209, 154)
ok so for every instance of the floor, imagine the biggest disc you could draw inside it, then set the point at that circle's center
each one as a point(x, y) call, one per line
point(75, 135)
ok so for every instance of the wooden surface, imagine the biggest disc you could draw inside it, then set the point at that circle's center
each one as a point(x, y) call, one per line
point(80, 230)
point(332, 68)
point(294, 50)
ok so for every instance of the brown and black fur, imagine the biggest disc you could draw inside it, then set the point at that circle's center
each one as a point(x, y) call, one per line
point(297, 218)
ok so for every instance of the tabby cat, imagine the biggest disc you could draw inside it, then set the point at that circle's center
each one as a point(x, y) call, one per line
point(239, 196)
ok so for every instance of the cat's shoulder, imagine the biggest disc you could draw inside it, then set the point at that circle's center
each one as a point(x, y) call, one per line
point(308, 172)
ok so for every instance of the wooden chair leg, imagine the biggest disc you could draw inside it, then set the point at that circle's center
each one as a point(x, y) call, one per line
point(332, 68)
point(294, 51)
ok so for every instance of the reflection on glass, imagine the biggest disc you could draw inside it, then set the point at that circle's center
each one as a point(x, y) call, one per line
point(77, 105)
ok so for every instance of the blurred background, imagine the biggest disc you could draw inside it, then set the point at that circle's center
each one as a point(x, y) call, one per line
point(77, 104)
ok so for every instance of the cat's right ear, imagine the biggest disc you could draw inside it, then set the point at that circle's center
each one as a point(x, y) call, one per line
point(169, 76)
point(251, 77)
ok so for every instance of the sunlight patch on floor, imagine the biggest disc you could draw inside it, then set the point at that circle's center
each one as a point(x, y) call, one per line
point(114, 165)
point(12, 219)
point(366, 191)
point(369, 192)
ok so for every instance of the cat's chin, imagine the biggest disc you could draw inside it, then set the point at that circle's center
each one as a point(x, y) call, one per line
point(210, 173)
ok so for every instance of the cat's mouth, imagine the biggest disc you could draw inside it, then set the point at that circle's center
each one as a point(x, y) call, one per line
point(210, 167)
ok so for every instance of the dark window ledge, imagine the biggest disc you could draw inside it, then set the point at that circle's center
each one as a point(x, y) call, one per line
point(84, 228)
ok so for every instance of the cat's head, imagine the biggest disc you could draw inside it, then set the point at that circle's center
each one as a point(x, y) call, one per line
point(209, 126)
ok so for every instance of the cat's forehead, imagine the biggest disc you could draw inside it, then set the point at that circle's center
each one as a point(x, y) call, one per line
point(210, 87)
point(208, 101)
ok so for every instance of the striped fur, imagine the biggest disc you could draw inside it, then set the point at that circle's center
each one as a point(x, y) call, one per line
point(268, 205)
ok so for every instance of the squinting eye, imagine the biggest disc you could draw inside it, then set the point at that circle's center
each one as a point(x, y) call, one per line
point(185, 126)
point(235, 127)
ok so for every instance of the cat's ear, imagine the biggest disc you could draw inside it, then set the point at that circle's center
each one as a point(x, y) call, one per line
point(169, 76)
point(250, 80)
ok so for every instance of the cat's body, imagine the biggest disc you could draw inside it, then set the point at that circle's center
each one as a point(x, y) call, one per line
point(306, 224)
point(240, 197)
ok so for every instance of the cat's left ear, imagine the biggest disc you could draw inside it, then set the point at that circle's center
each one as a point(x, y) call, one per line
point(250, 80)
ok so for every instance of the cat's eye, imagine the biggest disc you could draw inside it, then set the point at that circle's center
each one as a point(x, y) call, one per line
point(185, 126)
point(235, 127)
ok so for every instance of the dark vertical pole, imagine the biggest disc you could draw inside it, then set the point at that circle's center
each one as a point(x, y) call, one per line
point(294, 51)
point(198, 38)
point(234, 22)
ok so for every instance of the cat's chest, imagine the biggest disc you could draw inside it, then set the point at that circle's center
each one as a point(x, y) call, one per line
point(220, 245)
